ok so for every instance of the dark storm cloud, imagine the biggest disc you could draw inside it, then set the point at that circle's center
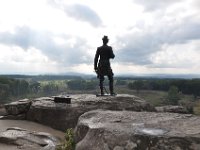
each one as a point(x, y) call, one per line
point(152, 5)
point(65, 54)
point(83, 13)
point(138, 48)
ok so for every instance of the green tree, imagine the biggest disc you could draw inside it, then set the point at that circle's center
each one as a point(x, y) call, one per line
point(90, 85)
point(4, 91)
point(76, 84)
point(23, 87)
point(138, 85)
point(173, 95)
point(195, 87)
point(34, 87)
point(50, 88)
point(120, 82)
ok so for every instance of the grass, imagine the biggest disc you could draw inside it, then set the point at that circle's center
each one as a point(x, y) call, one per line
point(69, 142)
point(156, 98)
point(196, 108)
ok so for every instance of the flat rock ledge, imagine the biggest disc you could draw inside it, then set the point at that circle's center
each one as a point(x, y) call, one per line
point(21, 139)
point(18, 107)
point(127, 130)
point(173, 109)
point(62, 116)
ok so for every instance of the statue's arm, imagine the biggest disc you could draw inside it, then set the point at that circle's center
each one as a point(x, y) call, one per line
point(112, 55)
point(96, 59)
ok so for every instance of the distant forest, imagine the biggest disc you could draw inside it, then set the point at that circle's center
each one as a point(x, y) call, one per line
point(13, 87)
point(42, 77)
point(185, 86)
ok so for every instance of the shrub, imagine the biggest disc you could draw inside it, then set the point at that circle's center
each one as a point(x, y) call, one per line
point(173, 95)
point(69, 143)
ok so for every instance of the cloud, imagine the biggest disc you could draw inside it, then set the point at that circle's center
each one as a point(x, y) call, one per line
point(187, 31)
point(70, 52)
point(79, 12)
point(185, 55)
point(21, 37)
point(83, 13)
point(16, 60)
point(145, 35)
point(153, 5)
point(138, 47)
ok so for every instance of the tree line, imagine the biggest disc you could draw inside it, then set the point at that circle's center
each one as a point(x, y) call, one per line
point(185, 86)
point(42, 77)
point(16, 88)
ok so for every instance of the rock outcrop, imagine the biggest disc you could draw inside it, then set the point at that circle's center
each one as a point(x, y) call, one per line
point(2, 110)
point(62, 116)
point(123, 122)
point(18, 107)
point(127, 130)
point(173, 109)
point(17, 138)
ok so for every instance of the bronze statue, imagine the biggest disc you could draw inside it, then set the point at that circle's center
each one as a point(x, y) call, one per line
point(102, 65)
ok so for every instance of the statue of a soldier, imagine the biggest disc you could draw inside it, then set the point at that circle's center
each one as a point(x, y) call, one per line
point(102, 65)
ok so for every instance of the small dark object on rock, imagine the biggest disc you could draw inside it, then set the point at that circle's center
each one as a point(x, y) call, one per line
point(62, 100)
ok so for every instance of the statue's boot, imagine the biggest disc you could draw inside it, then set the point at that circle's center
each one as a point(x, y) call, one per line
point(101, 88)
point(111, 89)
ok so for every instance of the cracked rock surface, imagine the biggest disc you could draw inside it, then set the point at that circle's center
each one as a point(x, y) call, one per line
point(21, 139)
point(128, 130)
point(62, 116)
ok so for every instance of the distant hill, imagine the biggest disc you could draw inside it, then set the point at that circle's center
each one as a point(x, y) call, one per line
point(43, 77)
point(70, 76)
point(161, 76)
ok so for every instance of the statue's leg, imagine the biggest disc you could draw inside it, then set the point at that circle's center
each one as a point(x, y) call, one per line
point(101, 78)
point(110, 77)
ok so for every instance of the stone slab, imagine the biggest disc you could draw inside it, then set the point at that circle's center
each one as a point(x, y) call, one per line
point(127, 130)
point(62, 116)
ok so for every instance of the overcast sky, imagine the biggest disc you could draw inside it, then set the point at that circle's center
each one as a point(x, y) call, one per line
point(59, 36)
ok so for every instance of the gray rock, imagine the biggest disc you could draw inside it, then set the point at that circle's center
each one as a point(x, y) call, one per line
point(18, 107)
point(62, 116)
point(127, 130)
point(173, 109)
point(28, 140)
point(2, 111)
point(13, 117)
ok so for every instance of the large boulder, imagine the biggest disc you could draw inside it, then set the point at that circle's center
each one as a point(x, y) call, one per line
point(18, 107)
point(127, 130)
point(21, 139)
point(62, 116)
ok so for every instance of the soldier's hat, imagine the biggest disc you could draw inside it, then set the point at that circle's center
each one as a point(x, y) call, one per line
point(105, 38)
